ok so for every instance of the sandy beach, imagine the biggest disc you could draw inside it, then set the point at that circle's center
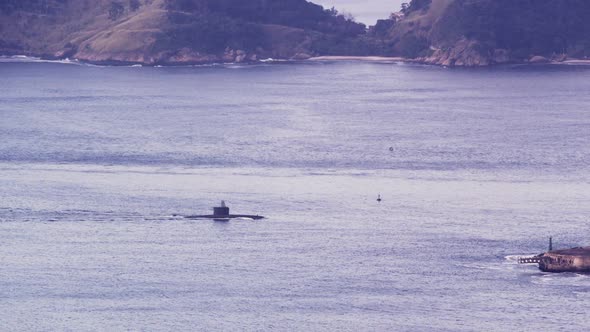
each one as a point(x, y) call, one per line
point(359, 58)
point(573, 62)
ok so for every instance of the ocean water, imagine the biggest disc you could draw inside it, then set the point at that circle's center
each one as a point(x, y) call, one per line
point(475, 167)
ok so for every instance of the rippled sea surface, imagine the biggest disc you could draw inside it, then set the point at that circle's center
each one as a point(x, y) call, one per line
point(475, 167)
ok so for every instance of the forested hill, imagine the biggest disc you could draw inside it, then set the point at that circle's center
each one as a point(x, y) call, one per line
point(483, 32)
point(175, 31)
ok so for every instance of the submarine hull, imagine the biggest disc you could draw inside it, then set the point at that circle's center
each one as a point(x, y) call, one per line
point(231, 216)
point(221, 213)
point(571, 260)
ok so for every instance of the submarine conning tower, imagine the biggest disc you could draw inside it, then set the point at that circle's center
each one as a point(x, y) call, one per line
point(221, 211)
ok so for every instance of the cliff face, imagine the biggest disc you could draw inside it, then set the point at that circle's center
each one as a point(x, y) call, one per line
point(172, 31)
point(485, 32)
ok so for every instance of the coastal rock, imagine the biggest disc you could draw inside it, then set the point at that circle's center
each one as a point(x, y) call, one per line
point(559, 57)
point(229, 55)
point(187, 56)
point(240, 56)
point(537, 59)
point(301, 56)
point(464, 53)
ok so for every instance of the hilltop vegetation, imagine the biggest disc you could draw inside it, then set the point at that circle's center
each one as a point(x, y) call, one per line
point(525, 28)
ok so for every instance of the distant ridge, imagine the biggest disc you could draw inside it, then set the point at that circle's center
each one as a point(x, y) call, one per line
point(169, 32)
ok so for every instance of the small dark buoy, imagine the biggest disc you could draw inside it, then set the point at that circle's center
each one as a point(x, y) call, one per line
point(379, 198)
point(391, 149)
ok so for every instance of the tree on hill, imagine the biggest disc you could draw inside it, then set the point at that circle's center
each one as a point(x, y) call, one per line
point(415, 5)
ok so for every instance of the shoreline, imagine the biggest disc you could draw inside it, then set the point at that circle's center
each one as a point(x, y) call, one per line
point(384, 59)
point(325, 58)
point(584, 62)
point(368, 58)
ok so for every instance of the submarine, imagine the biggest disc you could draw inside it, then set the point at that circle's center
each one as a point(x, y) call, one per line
point(575, 260)
point(221, 213)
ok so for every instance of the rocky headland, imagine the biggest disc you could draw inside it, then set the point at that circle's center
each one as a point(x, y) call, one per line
point(488, 32)
point(169, 32)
